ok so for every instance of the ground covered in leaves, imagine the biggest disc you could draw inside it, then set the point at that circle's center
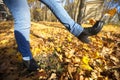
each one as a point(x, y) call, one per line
point(60, 55)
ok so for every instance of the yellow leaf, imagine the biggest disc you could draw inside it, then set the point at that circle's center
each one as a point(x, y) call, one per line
point(35, 51)
point(58, 49)
point(70, 53)
point(97, 55)
point(38, 9)
point(76, 60)
point(60, 56)
point(86, 67)
point(4, 41)
point(67, 60)
point(86, 47)
point(85, 60)
point(93, 39)
point(69, 39)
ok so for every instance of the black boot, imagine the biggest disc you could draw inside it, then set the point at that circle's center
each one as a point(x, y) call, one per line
point(90, 31)
point(31, 65)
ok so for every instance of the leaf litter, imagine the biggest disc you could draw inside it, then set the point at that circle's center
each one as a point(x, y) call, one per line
point(60, 55)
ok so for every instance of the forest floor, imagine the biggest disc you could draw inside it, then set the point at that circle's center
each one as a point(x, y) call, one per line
point(60, 55)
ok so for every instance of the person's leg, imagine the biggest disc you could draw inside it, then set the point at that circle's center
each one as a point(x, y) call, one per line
point(61, 14)
point(21, 14)
point(81, 33)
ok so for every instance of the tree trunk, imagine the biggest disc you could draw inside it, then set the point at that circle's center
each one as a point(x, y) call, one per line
point(76, 8)
point(81, 11)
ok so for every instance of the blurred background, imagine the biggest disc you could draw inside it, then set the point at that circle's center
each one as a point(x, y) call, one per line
point(82, 11)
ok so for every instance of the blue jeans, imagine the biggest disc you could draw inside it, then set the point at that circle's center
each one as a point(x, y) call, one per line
point(21, 14)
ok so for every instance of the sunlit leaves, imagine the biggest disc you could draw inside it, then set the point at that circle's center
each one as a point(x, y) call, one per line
point(62, 56)
point(4, 41)
point(85, 60)
point(86, 67)
point(78, 55)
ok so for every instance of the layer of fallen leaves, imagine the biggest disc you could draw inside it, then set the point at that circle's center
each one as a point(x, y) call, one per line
point(60, 55)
